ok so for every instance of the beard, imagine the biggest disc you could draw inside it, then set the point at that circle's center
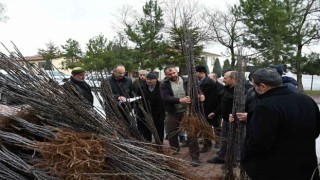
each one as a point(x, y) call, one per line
point(175, 78)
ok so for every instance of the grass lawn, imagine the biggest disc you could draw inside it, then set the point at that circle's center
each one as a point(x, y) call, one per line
point(312, 93)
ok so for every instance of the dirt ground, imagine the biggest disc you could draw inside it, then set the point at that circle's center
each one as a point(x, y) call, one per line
point(205, 171)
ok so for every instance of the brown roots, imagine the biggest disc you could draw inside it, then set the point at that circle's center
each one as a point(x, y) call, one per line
point(73, 154)
point(195, 126)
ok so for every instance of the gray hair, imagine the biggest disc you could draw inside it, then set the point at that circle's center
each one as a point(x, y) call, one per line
point(268, 76)
point(142, 71)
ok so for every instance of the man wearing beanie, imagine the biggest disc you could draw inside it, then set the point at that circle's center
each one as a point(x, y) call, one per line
point(153, 104)
point(77, 81)
point(211, 102)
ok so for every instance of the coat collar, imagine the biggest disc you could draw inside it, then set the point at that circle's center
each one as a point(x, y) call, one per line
point(276, 91)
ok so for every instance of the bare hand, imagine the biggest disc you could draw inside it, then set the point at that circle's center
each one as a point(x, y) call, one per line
point(201, 98)
point(231, 118)
point(240, 116)
point(185, 100)
point(122, 99)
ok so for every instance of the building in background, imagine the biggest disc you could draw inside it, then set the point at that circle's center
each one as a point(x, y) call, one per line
point(40, 62)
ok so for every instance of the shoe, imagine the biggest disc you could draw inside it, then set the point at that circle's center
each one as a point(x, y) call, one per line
point(215, 160)
point(195, 162)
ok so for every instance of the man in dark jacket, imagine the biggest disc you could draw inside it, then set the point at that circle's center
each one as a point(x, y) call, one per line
point(173, 92)
point(122, 89)
point(211, 102)
point(121, 85)
point(224, 109)
point(77, 81)
point(282, 132)
point(214, 78)
point(217, 119)
point(153, 104)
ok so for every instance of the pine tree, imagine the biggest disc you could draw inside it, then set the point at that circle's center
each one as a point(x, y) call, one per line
point(72, 53)
point(217, 67)
point(51, 52)
point(226, 66)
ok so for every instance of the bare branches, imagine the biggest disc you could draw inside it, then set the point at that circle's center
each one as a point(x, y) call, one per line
point(59, 135)
point(225, 28)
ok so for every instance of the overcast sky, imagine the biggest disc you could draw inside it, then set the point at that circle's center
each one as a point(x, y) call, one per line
point(33, 23)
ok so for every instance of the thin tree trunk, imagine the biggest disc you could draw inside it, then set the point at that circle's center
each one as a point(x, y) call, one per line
point(298, 68)
point(311, 81)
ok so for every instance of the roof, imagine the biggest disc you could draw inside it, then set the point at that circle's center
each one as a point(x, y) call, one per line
point(33, 58)
point(210, 54)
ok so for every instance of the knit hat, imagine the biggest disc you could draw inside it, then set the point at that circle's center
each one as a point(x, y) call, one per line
point(201, 68)
point(152, 75)
point(77, 70)
point(278, 67)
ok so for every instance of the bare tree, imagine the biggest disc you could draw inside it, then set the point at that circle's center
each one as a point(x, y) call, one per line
point(180, 15)
point(225, 28)
point(178, 12)
point(3, 17)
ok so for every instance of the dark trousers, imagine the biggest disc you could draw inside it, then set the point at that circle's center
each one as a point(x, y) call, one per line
point(217, 131)
point(172, 123)
point(224, 143)
point(146, 133)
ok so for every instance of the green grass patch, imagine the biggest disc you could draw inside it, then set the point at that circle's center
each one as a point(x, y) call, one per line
point(312, 93)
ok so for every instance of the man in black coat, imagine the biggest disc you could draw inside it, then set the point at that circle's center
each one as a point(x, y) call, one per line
point(122, 89)
point(77, 81)
point(281, 134)
point(121, 85)
point(153, 104)
point(224, 109)
point(211, 102)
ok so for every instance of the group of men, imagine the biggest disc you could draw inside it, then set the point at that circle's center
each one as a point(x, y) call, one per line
point(282, 125)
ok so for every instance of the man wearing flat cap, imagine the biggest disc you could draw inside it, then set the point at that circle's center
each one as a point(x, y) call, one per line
point(77, 81)
point(153, 104)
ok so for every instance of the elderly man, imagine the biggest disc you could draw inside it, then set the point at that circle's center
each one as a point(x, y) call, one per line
point(77, 81)
point(282, 131)
point(153, 104)
point(141, 80)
